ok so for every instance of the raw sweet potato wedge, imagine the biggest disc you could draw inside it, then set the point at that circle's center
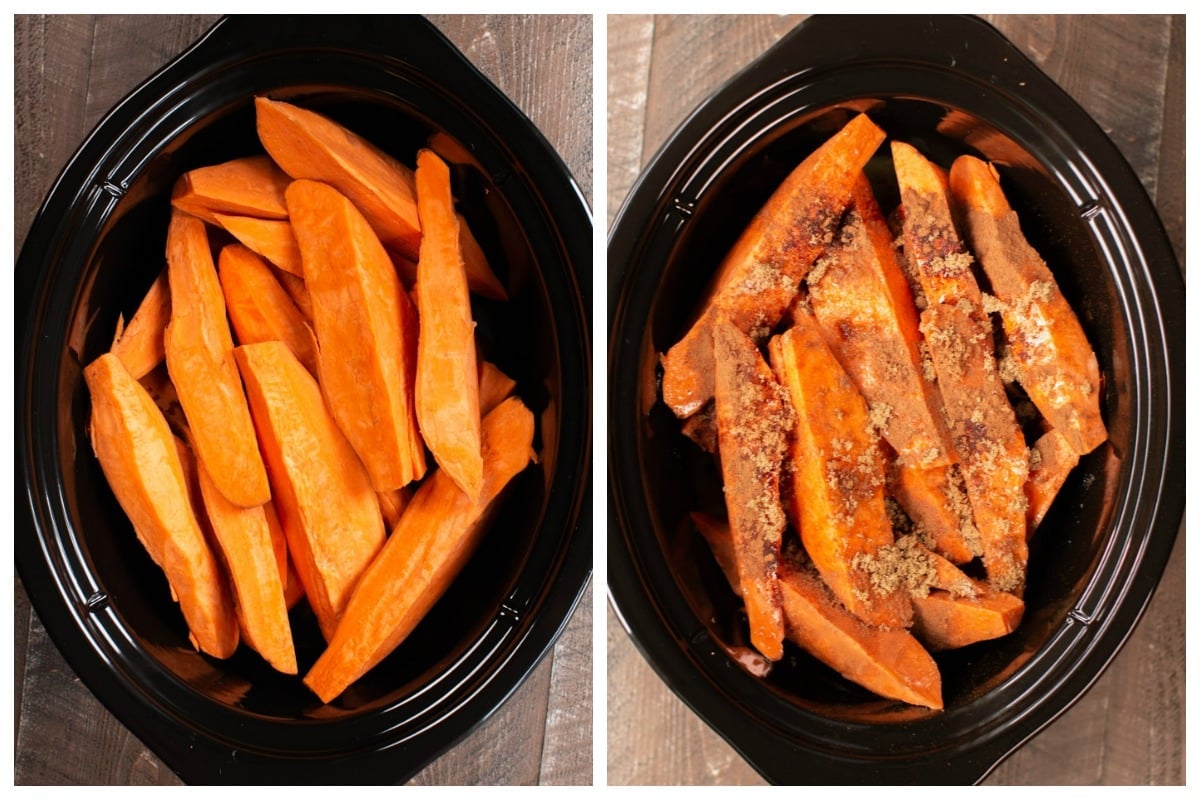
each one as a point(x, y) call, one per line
point(888, 662)
point(759, 277)
point(931, 242)
point(437, 534)
point(366, 333)
point(936, 501)
point(251, 186)
point(139, 457)
point(837, 475)
point(293, 589)
point(1050, 352)
point(243, 537)
point(494, 386)
point(272, 239)
point(199, 353)
point(297, 290)
point(985, 435)
point(322, 494)
point(260, 308)
point(447, 376)
point(480, 278)
point(391, 505)
point(862, 301)
point(140, 345)
point(753, 421)
point(1051, 460)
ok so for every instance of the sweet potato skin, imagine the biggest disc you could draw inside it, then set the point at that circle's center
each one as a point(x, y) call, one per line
point(140, 346)
point(138, 455)
point(322, 494)
point(439, 530)
point(199, 354)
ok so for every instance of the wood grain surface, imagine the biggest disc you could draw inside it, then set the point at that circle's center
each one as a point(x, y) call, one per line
point(1128, 73)
point(68, 72)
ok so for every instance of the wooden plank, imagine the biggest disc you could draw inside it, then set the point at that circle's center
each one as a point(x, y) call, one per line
point(629, 40)
point(1127, 729)
point(567, 745)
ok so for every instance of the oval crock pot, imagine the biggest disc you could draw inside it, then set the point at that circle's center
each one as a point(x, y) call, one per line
point(94, 248)
point(948, 85)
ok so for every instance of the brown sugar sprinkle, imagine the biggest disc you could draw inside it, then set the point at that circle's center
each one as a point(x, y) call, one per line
point(961, 507)
point(902, 565)
point(927, 370)
point(819, 267)
point(951, 265)
point(879, 415)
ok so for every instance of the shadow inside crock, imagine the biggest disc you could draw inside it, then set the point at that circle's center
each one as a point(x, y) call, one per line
point(519, 336)
point(1068, 544)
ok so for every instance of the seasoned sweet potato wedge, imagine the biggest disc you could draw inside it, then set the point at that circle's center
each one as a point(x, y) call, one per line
point(944, 621)
point(888, 662)
point(436, 535)
point(329, 512)
point(837, 475)
point(140, 459)
point(1053, 359)
point(260, 308)
point(140, 345)
point(936, 500)
point(862, 301)
point(366, 332)
point(759, 277)
point(1051, 460)
point(447, 376)
point(753, 422)
point(272, 239)
point(243, 537)
point(199, 353)
point(251, 186)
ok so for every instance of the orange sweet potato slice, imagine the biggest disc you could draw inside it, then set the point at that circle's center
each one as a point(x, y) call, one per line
point(140, 345)
point(366, 333)
point(753, 421)
point(862, 301)
point(138, 455)
point(260, 308)
point(837, 476)
point(297, 290)
point(1051, 460)
point(1050, 352)
point(243, 537)
point(931, 243)
point(494, 386)
point(391, 505)
point(272, 239)
point(944, 621)
point(480, 278)
point(251, 186)
point(888, 662)
point(447, 380)
point(293, 589)
point(199, 354)
point(759, 277)
point(437, 534)
point(329, 512)
point(936, 501)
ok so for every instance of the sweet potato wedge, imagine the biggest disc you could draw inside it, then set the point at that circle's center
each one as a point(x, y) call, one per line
point(272, 239)
point(199, 354)
point(366, 333)
point(260, 308)
point(391, 505)
point(862, 301)
point(140, 345)
point(494, 386)
point(837, 476)
point(1053, 359)
point(329, 512)
point(753, 421)
point(985, 436)
point(298, 291)
point(720, 540)
point(480, 278)
point(936, 501)
point(890, 663)
point(931, 242)
point(447, 379)
point(251, 186)
point(944, 621)
point(438, 532)
point(243, 537)
point(759, 277)
point(1051, 460)
point(138, 455)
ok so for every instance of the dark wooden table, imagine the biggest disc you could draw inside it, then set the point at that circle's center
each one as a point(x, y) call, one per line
point(68, 72)
point(1128, 72)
